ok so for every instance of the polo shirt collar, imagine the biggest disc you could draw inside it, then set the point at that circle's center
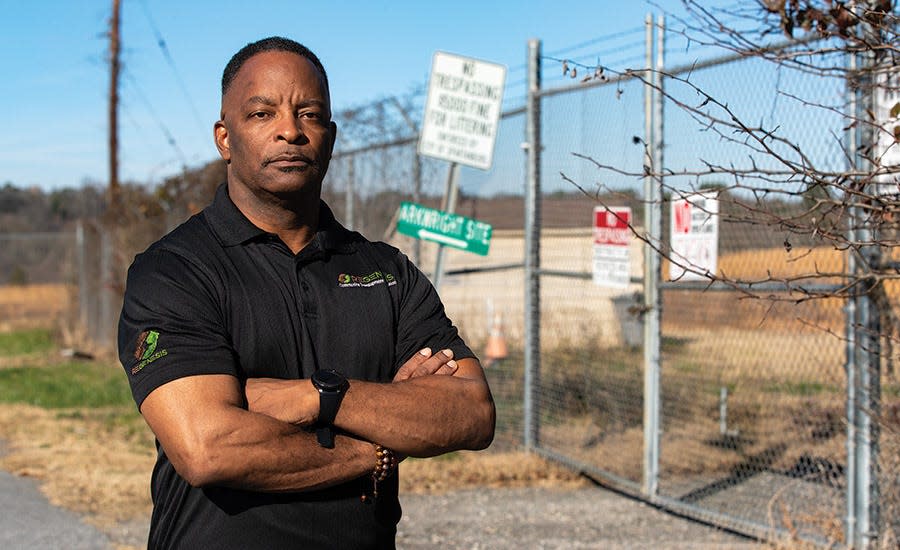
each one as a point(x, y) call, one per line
point(233, 228)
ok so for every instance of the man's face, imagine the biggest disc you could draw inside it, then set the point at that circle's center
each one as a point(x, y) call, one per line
point(276, 132)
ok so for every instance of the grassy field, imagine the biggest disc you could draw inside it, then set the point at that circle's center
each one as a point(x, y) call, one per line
point(33, 306)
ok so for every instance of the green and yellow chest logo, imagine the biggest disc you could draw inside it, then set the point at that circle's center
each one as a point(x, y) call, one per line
point(346, 280)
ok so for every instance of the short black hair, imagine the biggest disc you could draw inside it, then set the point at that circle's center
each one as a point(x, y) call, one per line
point(270, 44)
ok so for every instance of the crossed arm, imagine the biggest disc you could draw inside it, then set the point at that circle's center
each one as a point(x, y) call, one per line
point(217, 433)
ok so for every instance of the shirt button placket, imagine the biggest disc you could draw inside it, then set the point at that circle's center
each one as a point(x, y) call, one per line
point(306, 298)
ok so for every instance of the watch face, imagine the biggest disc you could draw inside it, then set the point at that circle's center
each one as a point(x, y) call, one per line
point(329, 380)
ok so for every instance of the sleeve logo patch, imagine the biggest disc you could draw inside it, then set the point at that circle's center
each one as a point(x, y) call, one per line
point(372, 279)
point(145, 351)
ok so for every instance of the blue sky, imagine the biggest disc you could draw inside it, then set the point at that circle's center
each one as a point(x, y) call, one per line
point(55, 75)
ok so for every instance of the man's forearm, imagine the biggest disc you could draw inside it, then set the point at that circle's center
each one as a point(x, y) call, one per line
point(271, 456)
point(212, 441)
point(422, 416)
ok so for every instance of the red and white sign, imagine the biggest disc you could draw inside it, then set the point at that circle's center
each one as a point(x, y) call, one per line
point(694, 237)
point(612, 244)
point(681, 214)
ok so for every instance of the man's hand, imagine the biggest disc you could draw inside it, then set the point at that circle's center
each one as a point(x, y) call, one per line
point(424, 363)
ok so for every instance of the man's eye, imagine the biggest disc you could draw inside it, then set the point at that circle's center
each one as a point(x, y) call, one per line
point(259, 115)
point(311, 114)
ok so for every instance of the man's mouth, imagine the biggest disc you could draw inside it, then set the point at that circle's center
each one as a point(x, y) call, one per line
point(289, 161)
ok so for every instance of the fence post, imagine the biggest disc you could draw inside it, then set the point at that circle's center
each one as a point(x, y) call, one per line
point(864, 329)
point(533, 247)
point(107, 274)
point(80, 251)
point(653, 112)
point(850, 324)
point(351, 188)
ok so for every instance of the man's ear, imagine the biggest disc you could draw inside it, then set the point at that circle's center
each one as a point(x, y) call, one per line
point(333, 138)
point(220, 135)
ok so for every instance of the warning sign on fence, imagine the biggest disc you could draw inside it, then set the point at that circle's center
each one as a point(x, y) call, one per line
point(886, 97)
point(695, 236)
point(612, 245)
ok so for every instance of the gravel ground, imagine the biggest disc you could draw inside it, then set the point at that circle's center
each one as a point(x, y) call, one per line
point(30, 521)
point(548, 519)
point(530, 518)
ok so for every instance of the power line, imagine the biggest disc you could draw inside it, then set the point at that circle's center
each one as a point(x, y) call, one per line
point(162, 126)
point(160, 41)
point(593, 41)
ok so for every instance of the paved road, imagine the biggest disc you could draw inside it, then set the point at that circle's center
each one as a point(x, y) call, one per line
point(29, 521)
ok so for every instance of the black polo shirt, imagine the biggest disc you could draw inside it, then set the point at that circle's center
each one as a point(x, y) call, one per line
point(220, 296)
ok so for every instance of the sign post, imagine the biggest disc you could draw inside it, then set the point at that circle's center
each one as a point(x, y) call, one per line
point(462, 116)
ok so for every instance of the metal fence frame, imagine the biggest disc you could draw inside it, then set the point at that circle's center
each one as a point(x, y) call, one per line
point(862, 494)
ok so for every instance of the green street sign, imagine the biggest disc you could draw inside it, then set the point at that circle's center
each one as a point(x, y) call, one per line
point(449, 229)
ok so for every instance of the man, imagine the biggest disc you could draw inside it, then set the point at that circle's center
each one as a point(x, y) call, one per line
point(284, 363)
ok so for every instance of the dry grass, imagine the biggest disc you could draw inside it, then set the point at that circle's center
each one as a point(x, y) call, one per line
point(485, 469)
point(33, 305)
point(760, 263)
point(85, 462)
point(744, 356)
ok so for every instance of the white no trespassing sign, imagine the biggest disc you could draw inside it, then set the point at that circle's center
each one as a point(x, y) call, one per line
point(612, 245)
point(694, 236)
point(886, 97)
point(462, 112)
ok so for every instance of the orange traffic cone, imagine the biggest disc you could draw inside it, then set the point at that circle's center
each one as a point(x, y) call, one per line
point(495, 349)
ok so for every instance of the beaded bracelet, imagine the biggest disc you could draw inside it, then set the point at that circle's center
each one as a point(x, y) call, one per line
point(385, 463)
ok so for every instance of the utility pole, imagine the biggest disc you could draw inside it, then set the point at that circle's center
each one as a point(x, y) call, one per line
point(110, 274)
point(114, 105)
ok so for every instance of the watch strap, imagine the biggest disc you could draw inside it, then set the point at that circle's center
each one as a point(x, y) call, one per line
point(325, 436)
point(329, 402)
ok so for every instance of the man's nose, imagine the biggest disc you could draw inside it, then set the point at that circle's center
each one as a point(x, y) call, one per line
point(290, 129)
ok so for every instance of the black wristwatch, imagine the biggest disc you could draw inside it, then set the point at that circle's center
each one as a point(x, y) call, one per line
point(332, 386)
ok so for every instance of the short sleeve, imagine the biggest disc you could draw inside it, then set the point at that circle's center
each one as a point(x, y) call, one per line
point(423, 321)
point(171, 324)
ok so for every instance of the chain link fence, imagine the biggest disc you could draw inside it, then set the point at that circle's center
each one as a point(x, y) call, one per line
point(62, 280)
point(752, 429)
point(39, 278)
